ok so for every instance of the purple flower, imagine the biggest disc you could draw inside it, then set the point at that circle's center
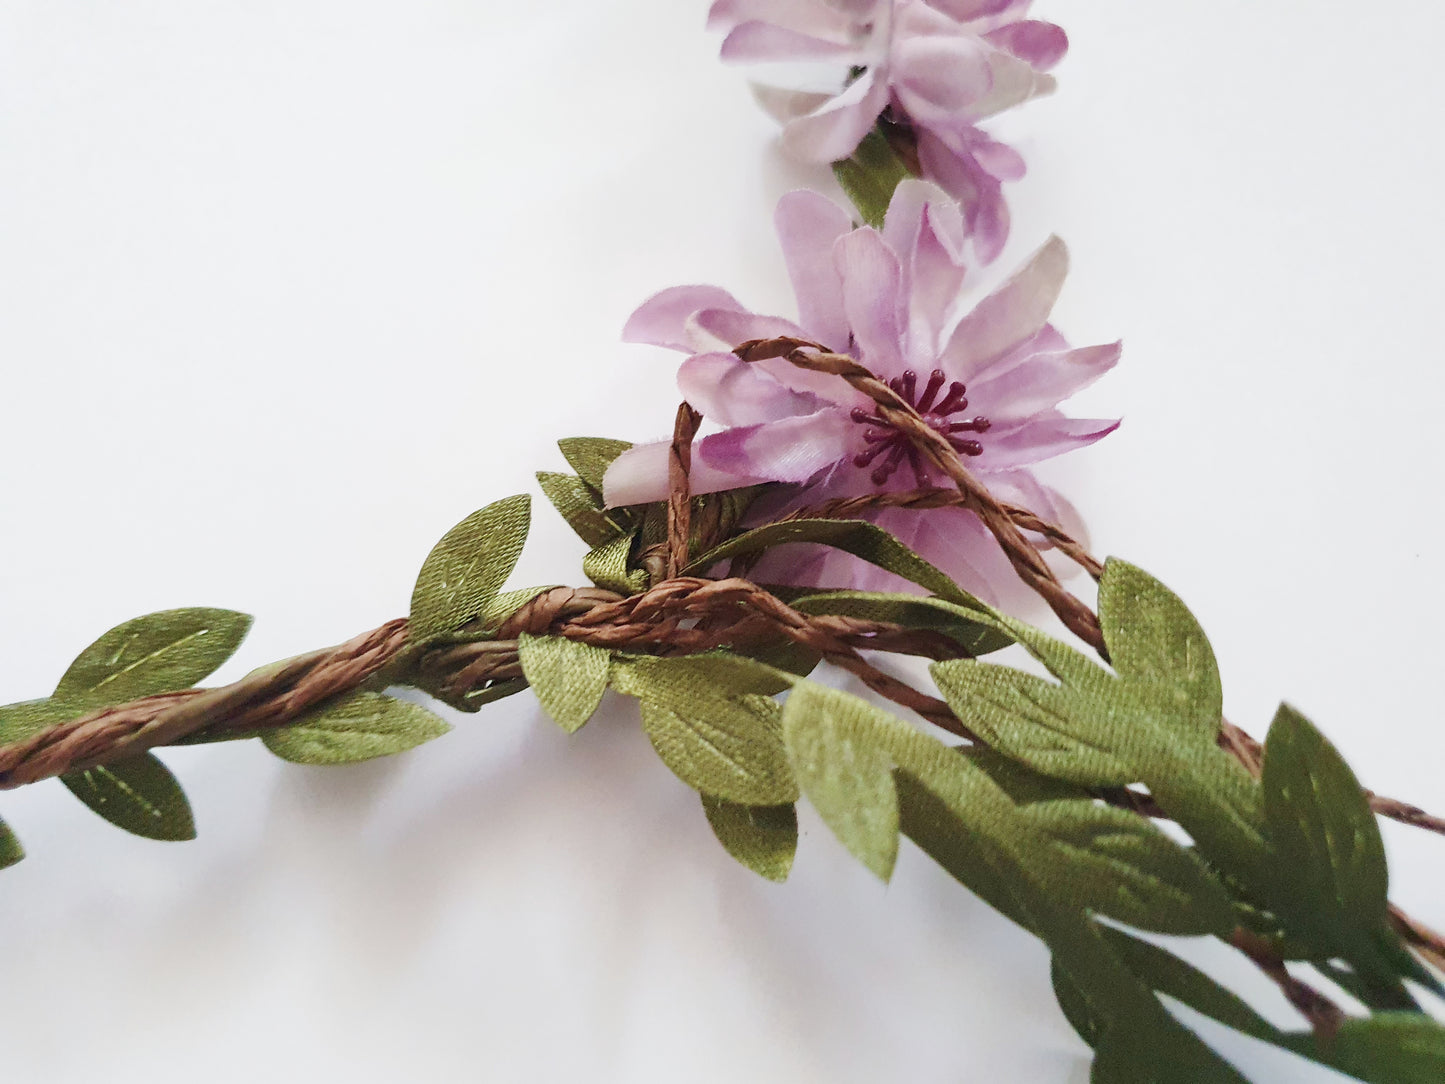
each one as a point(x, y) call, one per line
point(990, 379)
point(937, 68)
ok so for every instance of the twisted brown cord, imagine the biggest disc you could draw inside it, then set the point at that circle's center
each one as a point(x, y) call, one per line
point(1077, 617)
point(664, 619)
point(679, 499)
point(922, 499)
point(270, 697)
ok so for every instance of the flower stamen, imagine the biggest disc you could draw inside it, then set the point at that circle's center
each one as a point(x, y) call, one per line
point(883, 436)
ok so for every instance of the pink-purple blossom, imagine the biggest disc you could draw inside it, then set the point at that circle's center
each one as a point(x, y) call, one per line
point(990, 379)
point(935, 67)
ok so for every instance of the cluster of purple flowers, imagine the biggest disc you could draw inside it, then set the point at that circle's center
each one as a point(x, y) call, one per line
point(934, 69)
point(990, 378)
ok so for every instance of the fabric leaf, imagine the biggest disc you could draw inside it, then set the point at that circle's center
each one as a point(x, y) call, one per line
point(158, 653)
point(869, 177)
point(845, 771)
point(568, 677)
point(591, 456)
point(959, 623)
point(1169, 975)
point(466, 569)
point(1156, 645)
point(1074, 1005)
point(1329, 858)
point(717, 737)
point(358, 726)
point(10, 849)
point(19, 721)
point(606, 566)
point(763, 838)
point(1050, 728)
point(138, 794)
point(1390, 1048)
point(580, 505)
point(968, 857)
point(861, 539)
point(1116, 863)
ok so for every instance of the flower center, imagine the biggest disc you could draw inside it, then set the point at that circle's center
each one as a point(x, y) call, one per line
point(888, 441)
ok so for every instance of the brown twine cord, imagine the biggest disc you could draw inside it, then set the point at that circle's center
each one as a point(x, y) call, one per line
point(270, 697)
point(679, 499)
point(1030, 566)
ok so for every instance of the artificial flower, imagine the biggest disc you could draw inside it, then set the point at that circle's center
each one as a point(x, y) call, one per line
point(933, 68)
point(990, 379)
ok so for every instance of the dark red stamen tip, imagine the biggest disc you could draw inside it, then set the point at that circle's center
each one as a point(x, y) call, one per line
point(935, 381)
point(954, 400)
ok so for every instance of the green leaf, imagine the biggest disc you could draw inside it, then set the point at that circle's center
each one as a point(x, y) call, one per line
point(1052, 729)
point(1329, 859)
point(20, 721)
point(1156, 645)
point(476, 699)
point(591, 456)
point(358, 726)
point(157, 653)
point(1116, 863)
point(864, 540)
point(729, 746)
point(138, 794)
point(607, 567)
point(1163, 1051)
point(1074, 1004)
point(846, 772)
point(968, 856)
point(869, 177)
point(466, 569)
point(581, 506)
point(787, 655)
point(959, 623)
point(1391, 1048)
point(763, 838)
point(568, 677)
point(10, 849)
point(1168, 974)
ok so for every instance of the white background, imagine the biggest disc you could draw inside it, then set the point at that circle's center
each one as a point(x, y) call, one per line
point(287, 287)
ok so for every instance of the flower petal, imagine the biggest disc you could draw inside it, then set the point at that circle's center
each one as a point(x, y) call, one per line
point(967, 10)
point(724, 329)
point(732, 392)
point(785, 105)
point(1041, 381)
point(804, 16)
point(639, 476)
point(976, 189)
point(834, 131)
point(1014, 81)
point(756, 42)
point(808, 225)
point(1012, 313)
point(872, 280)
point(1041, 44)
point(936, 76)
point(790, 450)
point(998, 160)
point(662, 320)
point(1039, 439)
